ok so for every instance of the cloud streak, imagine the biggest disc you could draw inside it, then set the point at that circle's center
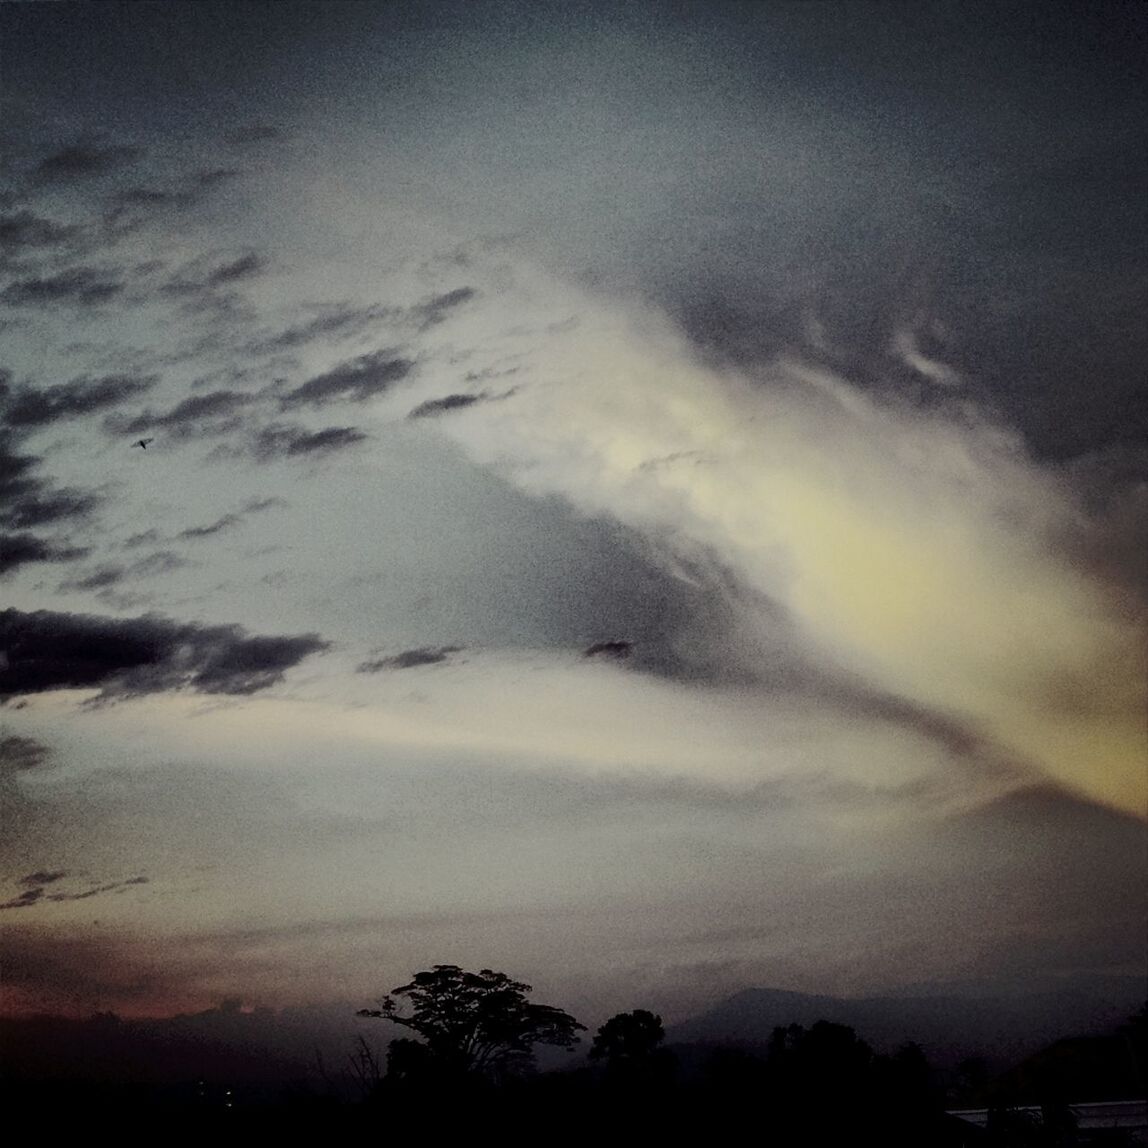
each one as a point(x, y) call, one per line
point(353, 381)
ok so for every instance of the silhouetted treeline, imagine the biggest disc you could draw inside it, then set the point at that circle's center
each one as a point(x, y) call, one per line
point(821, 1084)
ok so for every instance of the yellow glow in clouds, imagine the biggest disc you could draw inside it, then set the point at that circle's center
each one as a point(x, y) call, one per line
point(926, 554)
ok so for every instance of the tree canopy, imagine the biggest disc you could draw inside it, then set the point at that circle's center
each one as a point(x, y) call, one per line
point(473, 1023)
point(628, 1036)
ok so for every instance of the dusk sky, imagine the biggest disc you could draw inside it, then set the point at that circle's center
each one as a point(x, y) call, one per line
point(647, 497)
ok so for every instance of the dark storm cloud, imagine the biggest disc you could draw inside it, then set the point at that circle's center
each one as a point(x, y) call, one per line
point(83, 161)
point(435, 310)
point(410, 659)
point(18, 550)
point(281, 441)
point(80, 286)
point(213, 413)
point(356, 380)
point(32, 407)
point(126, 657)
point(433, 407)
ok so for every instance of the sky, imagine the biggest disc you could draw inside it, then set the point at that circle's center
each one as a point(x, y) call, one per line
point(649, 498)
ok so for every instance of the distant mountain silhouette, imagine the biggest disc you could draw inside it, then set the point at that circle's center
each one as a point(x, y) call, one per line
point(1003, 1028)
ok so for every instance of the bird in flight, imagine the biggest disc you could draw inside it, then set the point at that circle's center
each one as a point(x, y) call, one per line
point(143, 442)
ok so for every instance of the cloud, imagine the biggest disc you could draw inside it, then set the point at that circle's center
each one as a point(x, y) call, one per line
point(410, 659)
point(920, 552)
point(617, 650)
point(254, 133)
point(33, 407)
point(244, 267)
point(43, 877)
point(213, 413)
point(355, 380)
point(24, 230)
point(26, 500)
point(214, 176)
point(224, 523)
point(36, 509)
point(206, 283)
point(143, 538)
point(232, 519)
point(18, 550)
point(436, 309)
point(83, 161)
point(131, 207)
point(92, 969)
point(125, 657)
point(95, 580)
point(81, 286)
point(23, 900)
point(333, 322)
point(19, 754)
point(259, 505)
point(283, 441)
point(161, 562)
point(433, 407)
point(37, 896)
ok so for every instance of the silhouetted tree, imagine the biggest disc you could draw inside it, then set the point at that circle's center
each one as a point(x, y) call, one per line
point(471, 1025)
point(628, 1036)
point(820, 1080)
point(1135, 1034)
point(629, 1045)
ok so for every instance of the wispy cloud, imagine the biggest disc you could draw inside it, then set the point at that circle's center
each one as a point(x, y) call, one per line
point(445, 405)
point(37, 895)
point(285, 441)
point(78, 286)
point(410, 659)
point(353, 381)
point(85, 160)
point(214, 413)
